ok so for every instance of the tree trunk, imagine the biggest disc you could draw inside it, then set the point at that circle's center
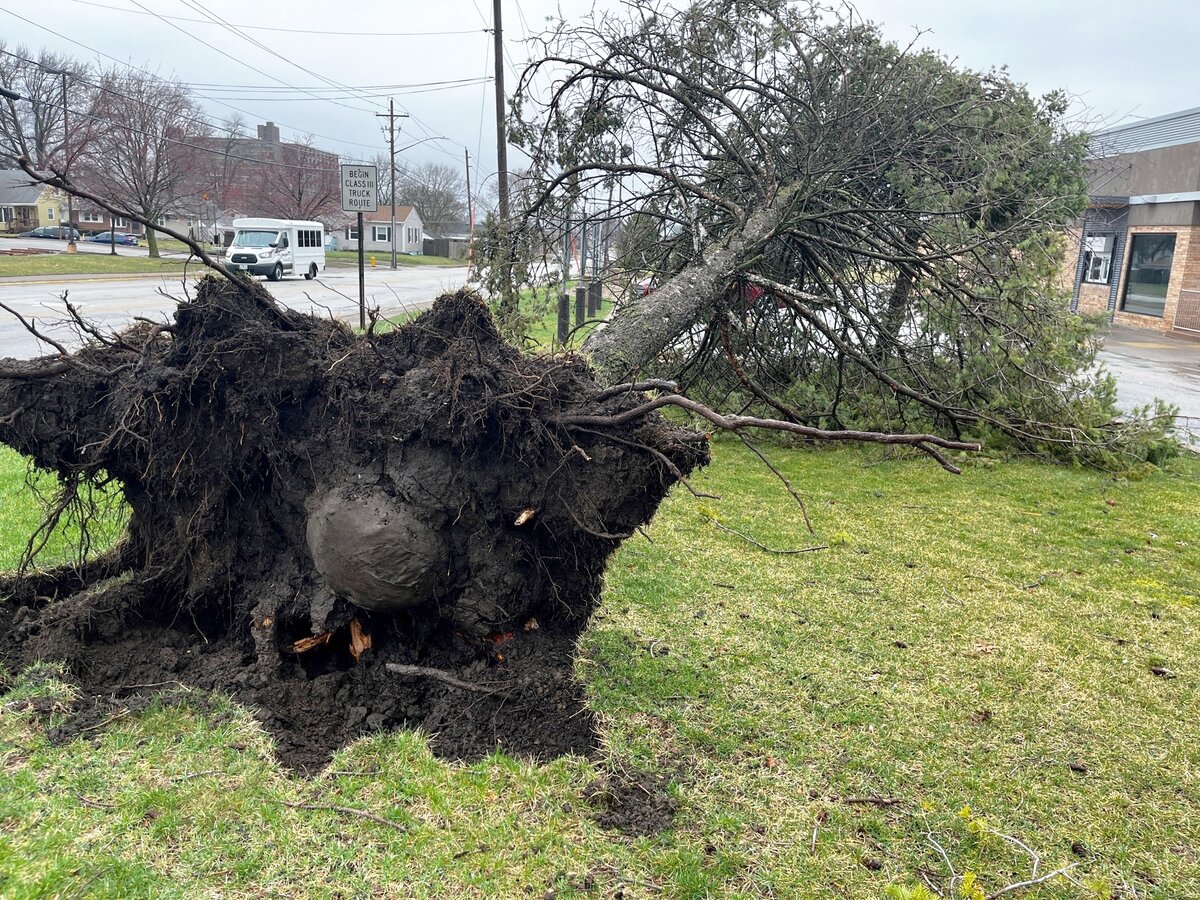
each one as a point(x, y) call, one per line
point(152, 242)
point(642, 328)
point(294, 487)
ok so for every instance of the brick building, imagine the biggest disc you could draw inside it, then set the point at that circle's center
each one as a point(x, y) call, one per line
point(262, 176)
point(1138, 253)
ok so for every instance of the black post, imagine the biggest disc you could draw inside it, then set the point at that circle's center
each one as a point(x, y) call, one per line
point(564, 317)
point(594, 292)
point(362, 279)
point(580, 305)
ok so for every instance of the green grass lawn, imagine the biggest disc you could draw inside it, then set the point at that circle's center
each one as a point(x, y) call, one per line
point(986, 641)
point(383, 259)
point(87, 264)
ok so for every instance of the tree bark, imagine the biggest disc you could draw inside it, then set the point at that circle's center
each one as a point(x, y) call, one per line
point(642, 328)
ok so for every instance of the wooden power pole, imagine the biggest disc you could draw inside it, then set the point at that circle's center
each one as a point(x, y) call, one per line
point(501, 129)
point(391, 115)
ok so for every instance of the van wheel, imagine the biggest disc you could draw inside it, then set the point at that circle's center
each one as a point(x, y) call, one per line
point(312, 272)
point(276, 273)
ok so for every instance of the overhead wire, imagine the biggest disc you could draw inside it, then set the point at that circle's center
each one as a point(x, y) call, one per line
point(241, 62)
point(428, 131)
point(232, 29)
point(322, 32)
point(150, 74)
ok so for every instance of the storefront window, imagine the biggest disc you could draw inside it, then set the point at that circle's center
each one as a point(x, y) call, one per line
point(1150, 258)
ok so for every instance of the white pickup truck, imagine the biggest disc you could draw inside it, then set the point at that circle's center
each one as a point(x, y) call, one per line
point(277, 247)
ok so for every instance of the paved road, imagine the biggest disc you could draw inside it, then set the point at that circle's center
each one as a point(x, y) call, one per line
point(113, 303)
point(1149, 365)
point(84, 246)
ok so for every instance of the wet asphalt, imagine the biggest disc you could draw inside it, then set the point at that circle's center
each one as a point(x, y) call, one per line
point(1149, 365)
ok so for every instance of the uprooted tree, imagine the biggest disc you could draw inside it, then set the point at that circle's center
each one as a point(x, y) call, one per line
point(843, 232)
point(357, 529)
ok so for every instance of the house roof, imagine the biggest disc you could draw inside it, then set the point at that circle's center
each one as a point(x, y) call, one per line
point(1182, 127)
point(16, 188)
point(384, 215)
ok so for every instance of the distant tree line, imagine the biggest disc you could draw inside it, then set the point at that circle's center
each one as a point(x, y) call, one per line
point(143, 141)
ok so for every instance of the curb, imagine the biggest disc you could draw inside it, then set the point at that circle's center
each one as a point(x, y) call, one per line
point(83, 278)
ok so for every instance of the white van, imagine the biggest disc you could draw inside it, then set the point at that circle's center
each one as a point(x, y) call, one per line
point(277, 247)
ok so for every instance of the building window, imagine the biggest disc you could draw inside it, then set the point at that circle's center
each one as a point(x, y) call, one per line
point(1150, 258)
point(1097, 258)
point(49, 215)
point(118, 222)
point(382, 233)
point(1096, 268)
point(351, 233)
point(91, 217)
point(6, 213)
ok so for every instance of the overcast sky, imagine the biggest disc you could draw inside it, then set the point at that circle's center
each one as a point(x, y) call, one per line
point(1122, 60)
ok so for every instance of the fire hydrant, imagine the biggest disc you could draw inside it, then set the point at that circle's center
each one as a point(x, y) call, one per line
point(372, 262)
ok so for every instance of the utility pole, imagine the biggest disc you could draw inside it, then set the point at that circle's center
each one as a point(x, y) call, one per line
point(391, 115)
point(501, 130)
point(508, 302)
point(470, 213)
point(71, 248)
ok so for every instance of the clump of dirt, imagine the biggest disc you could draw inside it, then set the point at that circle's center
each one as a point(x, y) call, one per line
point(637, 805)
point(309, 505)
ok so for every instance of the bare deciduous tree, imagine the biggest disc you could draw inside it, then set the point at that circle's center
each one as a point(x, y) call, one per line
point(33, 127)
point(438, 192)
point(299, 181)
point(140, 157)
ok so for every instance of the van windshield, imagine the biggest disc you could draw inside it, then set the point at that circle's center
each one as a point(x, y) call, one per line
point(255, 238)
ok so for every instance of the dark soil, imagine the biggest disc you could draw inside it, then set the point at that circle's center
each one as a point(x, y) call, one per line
point(637, 805)
point(426, 473)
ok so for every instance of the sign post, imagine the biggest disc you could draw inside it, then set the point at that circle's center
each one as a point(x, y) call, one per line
point(360, 194)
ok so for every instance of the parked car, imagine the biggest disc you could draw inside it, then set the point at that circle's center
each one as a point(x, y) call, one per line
point(54, 232)
point(106, 237)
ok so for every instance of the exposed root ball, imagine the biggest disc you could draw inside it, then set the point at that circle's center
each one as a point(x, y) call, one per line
point(374, 550)
point(309, 504)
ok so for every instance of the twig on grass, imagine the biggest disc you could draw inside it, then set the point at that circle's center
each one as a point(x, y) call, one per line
point(120, 715)
point(1032, 882)
point(347, 810)
point(764, 547)
point(872, 801)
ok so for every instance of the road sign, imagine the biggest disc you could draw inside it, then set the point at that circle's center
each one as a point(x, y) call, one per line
point(360, 189)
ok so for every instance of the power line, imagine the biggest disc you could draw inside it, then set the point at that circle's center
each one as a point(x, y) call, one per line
point(240, 62)
point(144, 133)
point(428, 131)
point(232, 29)
point(150, 74)
point(321, 32)
point(212, 86)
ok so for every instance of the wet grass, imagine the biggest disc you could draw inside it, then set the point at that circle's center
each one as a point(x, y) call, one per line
point(383, 259)
point(999, 641)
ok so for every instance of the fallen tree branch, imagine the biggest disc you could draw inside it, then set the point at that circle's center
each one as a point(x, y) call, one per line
point(923, 442)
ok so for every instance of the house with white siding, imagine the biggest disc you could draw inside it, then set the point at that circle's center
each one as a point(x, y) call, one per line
point(410, 232)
